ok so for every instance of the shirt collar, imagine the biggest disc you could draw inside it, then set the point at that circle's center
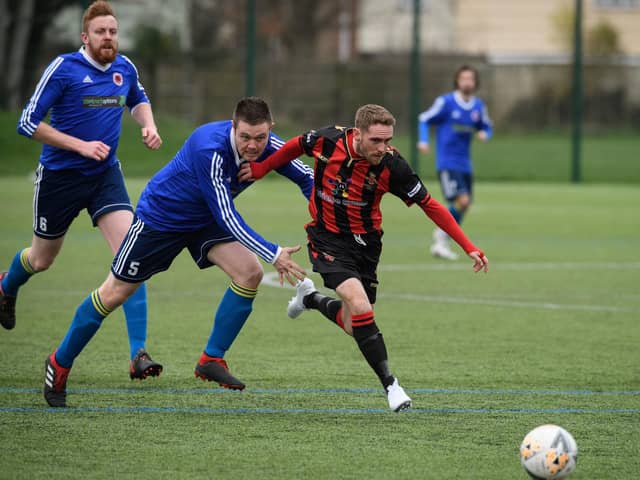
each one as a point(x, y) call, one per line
point(468, 105)
point(87, 57)
point(350, 149)
point(232, 139)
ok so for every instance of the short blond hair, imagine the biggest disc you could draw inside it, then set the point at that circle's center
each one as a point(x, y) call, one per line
point(372, 114)
point(99, 8)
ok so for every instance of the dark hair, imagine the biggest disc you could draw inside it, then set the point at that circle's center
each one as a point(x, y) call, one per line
point(99, 8)
point(253, 110)
point(372, 114)
point(466, 68)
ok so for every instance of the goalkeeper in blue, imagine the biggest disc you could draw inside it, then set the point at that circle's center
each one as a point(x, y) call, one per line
point(85, 92)
point(189, 204)
point(458, 116)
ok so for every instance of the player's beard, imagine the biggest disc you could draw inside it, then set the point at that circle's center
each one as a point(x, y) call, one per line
point(373, 157)
point(357, 147)
point(105, 53)
point(467, 91)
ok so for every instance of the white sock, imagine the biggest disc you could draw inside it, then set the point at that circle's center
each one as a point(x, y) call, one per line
point(441, 236)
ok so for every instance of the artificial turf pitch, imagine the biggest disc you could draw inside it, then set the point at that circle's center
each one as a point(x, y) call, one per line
point(550, 335)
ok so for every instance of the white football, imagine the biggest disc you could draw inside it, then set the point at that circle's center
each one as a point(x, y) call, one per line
point(549, 452)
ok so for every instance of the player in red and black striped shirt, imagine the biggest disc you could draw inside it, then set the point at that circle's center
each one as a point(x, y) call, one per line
point(354, 168)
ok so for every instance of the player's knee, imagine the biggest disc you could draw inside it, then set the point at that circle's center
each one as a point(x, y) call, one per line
point(114, 294)
point(463, 202)
point(250, 276)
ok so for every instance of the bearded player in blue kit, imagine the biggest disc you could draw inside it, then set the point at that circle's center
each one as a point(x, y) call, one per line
point(189, 204)
point(85, 93)
point(458, 115)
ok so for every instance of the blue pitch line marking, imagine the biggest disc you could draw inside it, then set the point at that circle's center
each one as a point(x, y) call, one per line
point(329, 411)
point(307, 391)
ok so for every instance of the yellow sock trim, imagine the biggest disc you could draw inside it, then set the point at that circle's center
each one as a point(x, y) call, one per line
point(98, 305)
point(243, 291)
point(24, 260)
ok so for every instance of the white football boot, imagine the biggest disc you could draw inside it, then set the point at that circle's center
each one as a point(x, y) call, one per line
point(397, 397)
point(440, 247)
point(296, 304)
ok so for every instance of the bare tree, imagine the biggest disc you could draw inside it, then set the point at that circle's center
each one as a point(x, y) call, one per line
point(300, 27)
point(22, 26)
point(18, 52)
point(4, 30)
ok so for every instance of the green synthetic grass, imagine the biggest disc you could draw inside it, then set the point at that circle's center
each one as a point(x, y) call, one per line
point(550, 335)
point(19, 155)
point(546, 157)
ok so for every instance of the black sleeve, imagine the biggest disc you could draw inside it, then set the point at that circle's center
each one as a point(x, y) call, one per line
point(326, 135)
point(404, 183)
point(308, 141)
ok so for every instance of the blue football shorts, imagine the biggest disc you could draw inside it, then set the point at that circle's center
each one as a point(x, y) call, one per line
point(455, 183)
point(60, 195)
point(145, 251)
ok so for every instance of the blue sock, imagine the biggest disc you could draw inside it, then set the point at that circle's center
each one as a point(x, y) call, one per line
point(234, 309)
point(19, 272)
point(457, 214)
point(84, 326)
point(135, 312)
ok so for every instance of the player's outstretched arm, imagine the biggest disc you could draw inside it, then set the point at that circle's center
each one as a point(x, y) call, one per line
point(251, 171)
point(287, 268)
point(441, 217)
point(143, 114)
point(95, 150)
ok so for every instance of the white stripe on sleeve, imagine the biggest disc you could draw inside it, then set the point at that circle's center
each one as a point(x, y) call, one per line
point(435, 109)
point(485, 116)
point(26, 122)
point(229, 216)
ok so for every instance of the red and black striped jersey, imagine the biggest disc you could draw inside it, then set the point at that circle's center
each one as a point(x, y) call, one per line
point(348, 189)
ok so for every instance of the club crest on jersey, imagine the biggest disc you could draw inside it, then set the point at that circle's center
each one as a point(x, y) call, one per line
point(370, 182)
point(340, 187)
point(475, 115)
point(117, 78)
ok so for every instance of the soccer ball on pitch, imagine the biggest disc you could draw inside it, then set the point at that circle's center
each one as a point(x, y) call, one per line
point(549, 452)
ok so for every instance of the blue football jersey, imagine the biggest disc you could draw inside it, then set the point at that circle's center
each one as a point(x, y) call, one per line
point(198, 186)
point(457, 121)
point(85, 100)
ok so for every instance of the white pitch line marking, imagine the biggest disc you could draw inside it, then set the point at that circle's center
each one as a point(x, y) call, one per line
point(271, 279)
point(502, 303)
point(515, 266)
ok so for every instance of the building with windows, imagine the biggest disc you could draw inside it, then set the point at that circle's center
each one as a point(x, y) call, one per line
point(500, 29)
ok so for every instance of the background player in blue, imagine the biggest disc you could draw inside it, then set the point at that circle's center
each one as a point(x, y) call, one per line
point(189, 204)
point(458, 115)
point(85, 92)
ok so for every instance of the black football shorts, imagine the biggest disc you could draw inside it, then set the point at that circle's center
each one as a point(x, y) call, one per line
point(339, 257)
